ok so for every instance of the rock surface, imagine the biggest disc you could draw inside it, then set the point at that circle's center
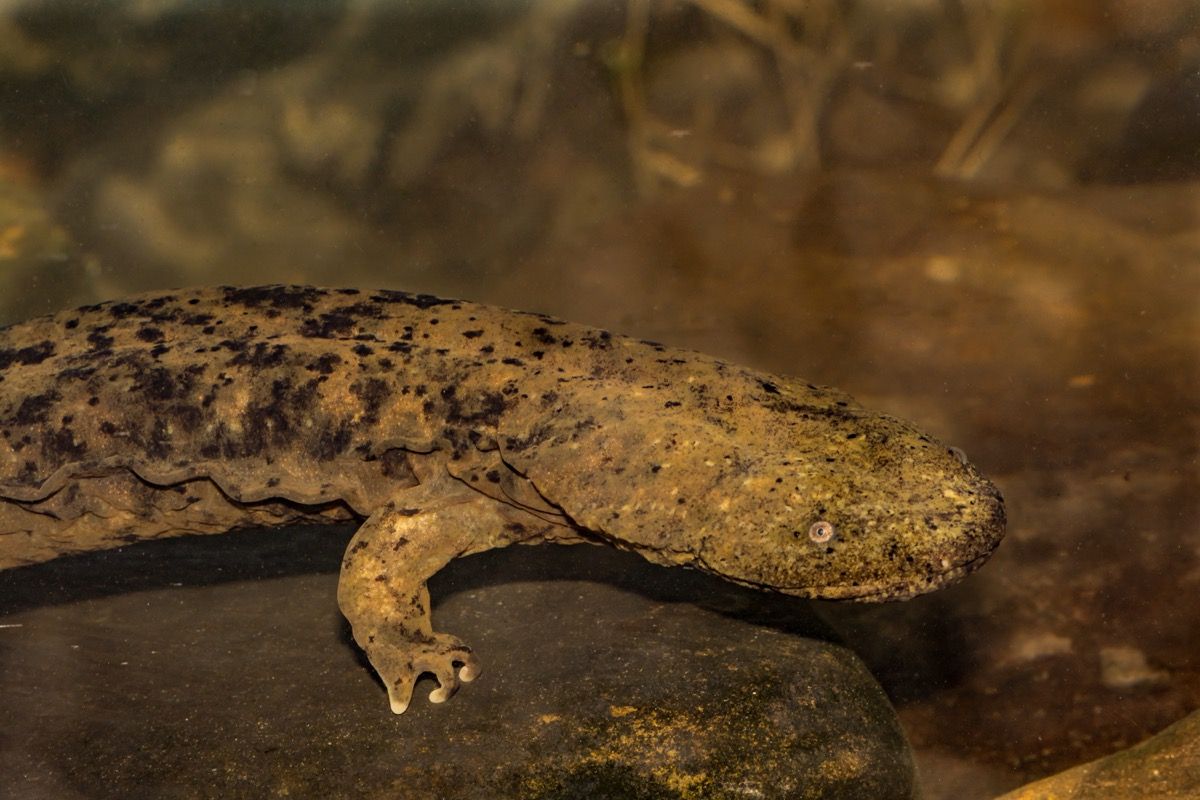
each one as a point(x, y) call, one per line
point(1164, 767)
point(603, 677)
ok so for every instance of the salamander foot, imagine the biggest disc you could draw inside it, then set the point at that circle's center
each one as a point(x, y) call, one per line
point(399, 664)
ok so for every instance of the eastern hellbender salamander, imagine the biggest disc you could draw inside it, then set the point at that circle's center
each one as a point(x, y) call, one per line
point(450, 428)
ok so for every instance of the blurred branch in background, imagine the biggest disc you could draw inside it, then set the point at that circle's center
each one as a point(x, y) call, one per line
point(765, 75)
point(963, 89)
point(310, 138)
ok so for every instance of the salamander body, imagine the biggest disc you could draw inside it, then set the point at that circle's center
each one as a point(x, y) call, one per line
point(449, 428)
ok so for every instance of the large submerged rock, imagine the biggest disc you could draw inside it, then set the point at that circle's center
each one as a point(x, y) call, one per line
point(604, 677)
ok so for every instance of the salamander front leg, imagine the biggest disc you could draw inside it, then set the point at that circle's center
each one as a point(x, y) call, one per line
point(382, 588)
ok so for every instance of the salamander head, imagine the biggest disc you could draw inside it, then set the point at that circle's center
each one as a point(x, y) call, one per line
point(848, 505)
point(764, 481)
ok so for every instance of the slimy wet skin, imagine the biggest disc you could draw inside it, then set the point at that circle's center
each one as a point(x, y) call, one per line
point(449, 428)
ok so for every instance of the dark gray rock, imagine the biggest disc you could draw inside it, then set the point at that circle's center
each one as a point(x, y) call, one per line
point(182, 669)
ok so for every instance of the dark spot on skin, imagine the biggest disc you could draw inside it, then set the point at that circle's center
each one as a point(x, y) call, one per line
point(361, 310)
point(472, 334)
point(149, 334)
point(328, 326)
point(99, 339)
point(672, 404)
point(28, 356)
point(543, 336)
point(331, 441)
point(485, 408)
point(372, 393)
point(493, 476)
point(260, 356)
point(122, 310)
point(35, 408)
point(324, 364)
point(516, 444)
point(196, 319)
point(422, 301)
point(655, 467)
point(187, 417)
point(232, 345)
point(408, 512)
point(269, 419)
point(72, 324)
point(580, 428)
point(362, 350)
point(60, 446)
point(277, 296)
point(601, 341)
point(160, 383)
point(769, 387)
point(851, 435)
point(512, 362)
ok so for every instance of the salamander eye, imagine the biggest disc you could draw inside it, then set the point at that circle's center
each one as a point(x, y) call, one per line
point(821, 531)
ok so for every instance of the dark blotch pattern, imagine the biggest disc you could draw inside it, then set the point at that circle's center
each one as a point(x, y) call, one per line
point(34, 354)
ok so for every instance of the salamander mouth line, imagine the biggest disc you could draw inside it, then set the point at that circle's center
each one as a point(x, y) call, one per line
point(907, 589)
point(862, 593)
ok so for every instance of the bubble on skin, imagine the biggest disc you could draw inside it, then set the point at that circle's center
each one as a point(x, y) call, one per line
point(821, 531)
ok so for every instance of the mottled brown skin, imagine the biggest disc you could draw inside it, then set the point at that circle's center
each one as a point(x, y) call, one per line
point(453, 428)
